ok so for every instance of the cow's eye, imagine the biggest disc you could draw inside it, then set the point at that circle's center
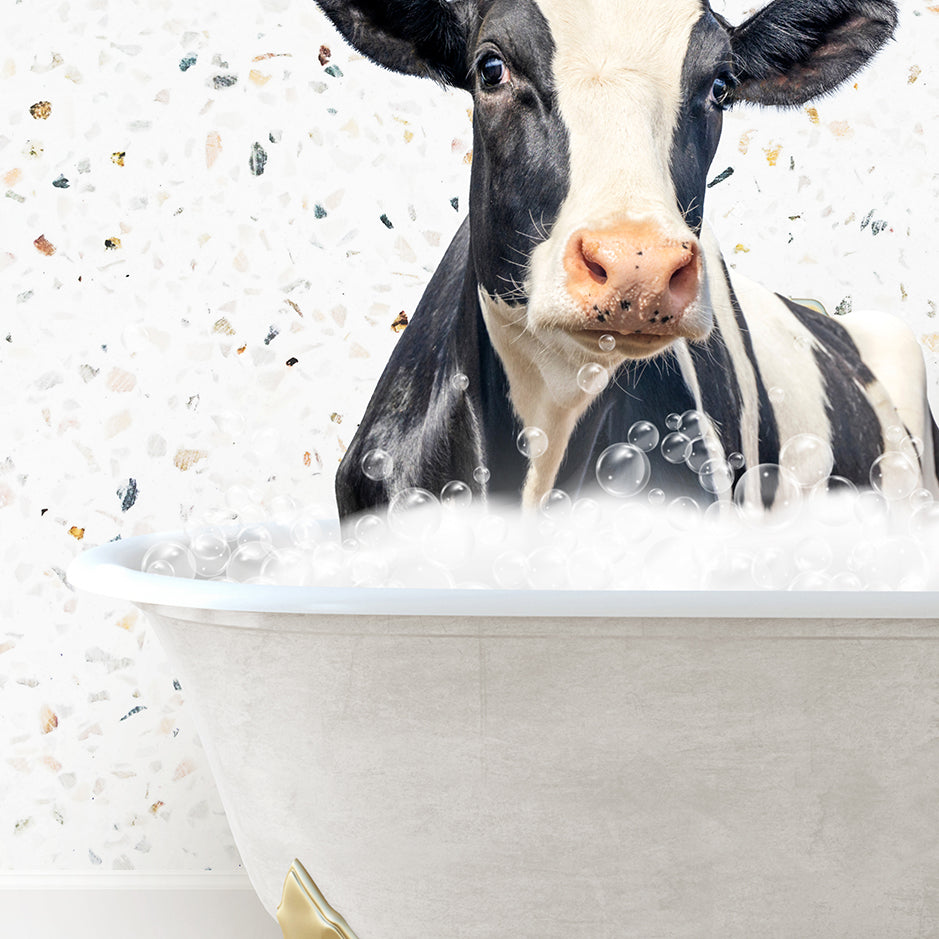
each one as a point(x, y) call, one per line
point(722, 92)
point(493, 71)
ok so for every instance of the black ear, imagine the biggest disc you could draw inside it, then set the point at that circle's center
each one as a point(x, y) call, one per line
point(416, 37)
point(794, 50)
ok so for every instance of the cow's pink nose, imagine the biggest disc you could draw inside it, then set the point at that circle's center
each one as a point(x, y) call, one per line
point(632, 278)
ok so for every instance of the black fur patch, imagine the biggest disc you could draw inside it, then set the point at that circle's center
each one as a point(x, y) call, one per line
point(698, 129)
point(416, 37)
point(856, 433)
point(794, 50)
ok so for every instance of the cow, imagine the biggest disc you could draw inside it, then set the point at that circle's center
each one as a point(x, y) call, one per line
point(594, 126)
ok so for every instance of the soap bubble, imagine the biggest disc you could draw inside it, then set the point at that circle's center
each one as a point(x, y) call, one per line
point(287, 567)
point(673, 421)
point(481, 475)
point(592, 378)
point(812, 554)
point(368, 529)
point(456, 494)
point(452, 544)
point(368, 567)
point(845, 580)
point(808, 459)
point(589, 569)
point(810, 580)
point(607, 343)
point(491, 530)
point(724, 514)
point(210, 552)
point(459, 382)
point(832, 499)
point(920, 497)
point(586, 514)
point(413, 513)
point(773, 567)
point(283, 509)
point(378, 464)
point(895, 433)
point(306, 532)
point(737, 460)
point(556, 503)
point(656, 497)
point(622, 470)
point(700, 453)
point(532, 442)
point(693, 424)
point(328, 562)
point(716, 476)
point(890, 563)
point(547, 568)
point(924, 522)
point(683, 513)
point(729, 569)
point(644, 435)
point(424, 574)
point(872, 509)
point(675, 447)
point(894, 476)
point(768, 485)
point(510, 569)
point(633, 522)
point(777, 395)
point(169, 558)
point(254, 533)
point(240, 498)
point(912, 448)
point(247, 559)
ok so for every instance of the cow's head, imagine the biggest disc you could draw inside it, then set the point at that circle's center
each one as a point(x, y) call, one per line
point(595, 122)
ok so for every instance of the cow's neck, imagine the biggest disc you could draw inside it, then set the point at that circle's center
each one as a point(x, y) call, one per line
point(543, 389)
point(543, 386)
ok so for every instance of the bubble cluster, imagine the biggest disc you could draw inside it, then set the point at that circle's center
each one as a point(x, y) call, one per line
point(786, 526)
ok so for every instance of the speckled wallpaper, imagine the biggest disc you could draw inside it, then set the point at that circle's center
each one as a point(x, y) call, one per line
point(214, 223)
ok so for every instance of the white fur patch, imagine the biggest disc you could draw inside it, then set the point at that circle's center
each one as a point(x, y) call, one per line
point(719, 298)
point(617, 68)
point(543, 387)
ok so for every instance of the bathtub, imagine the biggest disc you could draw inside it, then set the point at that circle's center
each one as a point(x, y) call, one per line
point(460, 764)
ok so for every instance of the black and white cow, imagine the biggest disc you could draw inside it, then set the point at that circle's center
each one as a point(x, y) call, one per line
point(595, 123)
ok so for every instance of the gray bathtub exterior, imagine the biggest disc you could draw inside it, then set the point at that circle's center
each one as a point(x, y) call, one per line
point(570, 772)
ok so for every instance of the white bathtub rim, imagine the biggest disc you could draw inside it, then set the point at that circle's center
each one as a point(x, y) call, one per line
point(110, 570)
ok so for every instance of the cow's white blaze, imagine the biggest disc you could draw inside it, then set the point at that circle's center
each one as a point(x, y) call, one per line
point(617, 69)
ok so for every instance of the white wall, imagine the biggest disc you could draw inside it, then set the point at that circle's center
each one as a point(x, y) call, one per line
point(109, 905)
point(163, 360)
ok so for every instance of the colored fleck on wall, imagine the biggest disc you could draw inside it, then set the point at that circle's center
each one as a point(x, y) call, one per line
point(214, 229)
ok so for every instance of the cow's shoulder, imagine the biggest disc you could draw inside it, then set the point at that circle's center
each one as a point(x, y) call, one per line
point(424, 412)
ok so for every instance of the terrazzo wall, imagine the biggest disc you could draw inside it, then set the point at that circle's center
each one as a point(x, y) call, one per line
point(210, 225)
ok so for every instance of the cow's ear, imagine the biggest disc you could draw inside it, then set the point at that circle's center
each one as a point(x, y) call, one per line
point(794, 50)
point(416, 37)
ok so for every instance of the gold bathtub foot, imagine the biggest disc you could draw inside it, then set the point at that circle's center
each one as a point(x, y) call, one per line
point(303, 912)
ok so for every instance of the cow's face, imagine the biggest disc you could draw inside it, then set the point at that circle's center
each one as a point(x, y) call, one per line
point(595, 124)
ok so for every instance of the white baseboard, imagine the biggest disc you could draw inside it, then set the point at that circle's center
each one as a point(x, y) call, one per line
point(118, 904)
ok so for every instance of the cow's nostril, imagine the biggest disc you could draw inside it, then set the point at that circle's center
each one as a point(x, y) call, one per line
point(683, 286)
point(597, 271)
